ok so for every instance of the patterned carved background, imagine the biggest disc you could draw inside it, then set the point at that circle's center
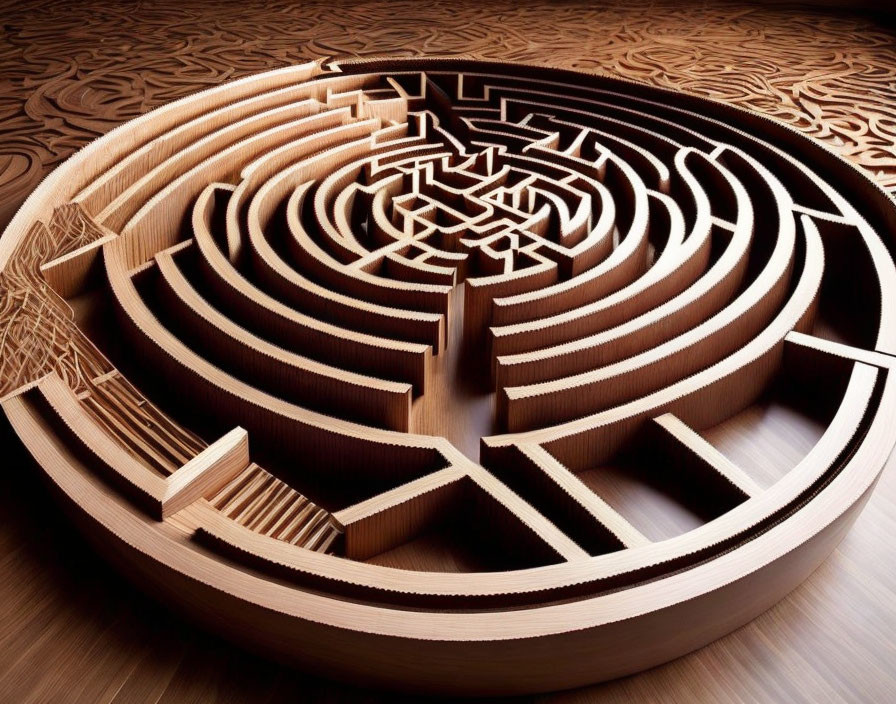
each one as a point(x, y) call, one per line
point(71, 71)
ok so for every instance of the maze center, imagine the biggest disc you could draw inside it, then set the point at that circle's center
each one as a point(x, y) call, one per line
point(456, 364)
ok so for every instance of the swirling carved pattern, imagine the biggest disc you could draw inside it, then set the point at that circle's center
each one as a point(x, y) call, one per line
point(37, 330)
point(74, 70)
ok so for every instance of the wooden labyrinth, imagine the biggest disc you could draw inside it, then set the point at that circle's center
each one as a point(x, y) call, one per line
point(447, 375)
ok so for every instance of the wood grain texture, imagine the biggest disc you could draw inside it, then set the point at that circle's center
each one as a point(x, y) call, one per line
point(74, 274)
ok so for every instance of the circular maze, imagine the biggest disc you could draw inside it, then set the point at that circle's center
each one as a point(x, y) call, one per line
point(455, 376)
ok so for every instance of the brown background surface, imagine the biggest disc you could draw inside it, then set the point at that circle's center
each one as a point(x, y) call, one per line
point(70, 72)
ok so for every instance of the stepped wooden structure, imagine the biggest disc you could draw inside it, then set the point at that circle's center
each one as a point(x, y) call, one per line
point(416, 371)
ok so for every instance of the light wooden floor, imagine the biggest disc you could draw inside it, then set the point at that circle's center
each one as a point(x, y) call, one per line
point(69, 74)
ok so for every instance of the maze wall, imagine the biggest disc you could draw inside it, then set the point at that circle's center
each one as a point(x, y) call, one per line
point(395, 367)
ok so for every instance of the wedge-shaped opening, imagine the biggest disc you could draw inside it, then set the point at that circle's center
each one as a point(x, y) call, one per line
point(566, 501)
point(456, 527)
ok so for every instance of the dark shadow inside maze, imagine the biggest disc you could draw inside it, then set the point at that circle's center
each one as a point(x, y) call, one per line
point(850, 302)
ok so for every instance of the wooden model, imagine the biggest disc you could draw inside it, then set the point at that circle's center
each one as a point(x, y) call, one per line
point(445, 375)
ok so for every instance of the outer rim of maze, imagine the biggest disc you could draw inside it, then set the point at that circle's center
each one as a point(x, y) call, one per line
point(845, 492)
